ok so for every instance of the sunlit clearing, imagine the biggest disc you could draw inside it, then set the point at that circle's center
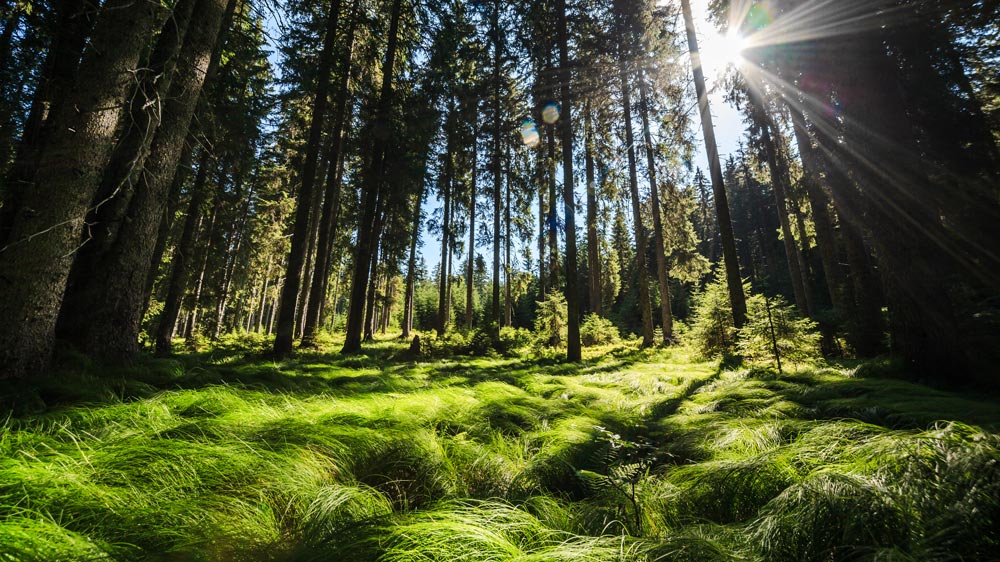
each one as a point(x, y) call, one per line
point(550, 113)
point(529, 134)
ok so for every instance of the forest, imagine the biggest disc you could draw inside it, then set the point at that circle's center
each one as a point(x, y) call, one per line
point(484, 280)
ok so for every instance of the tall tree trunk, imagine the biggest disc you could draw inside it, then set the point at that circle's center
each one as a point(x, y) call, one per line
point(167, 222)
point(442, 315)
point(331, 201)
point(819, 203)
point(731, 260)
point(183, 253)
point(300, 230)
point(508, 305)
point(239, 233)
point(411, 266)
point(378, 259)
point(116, 293)
point(552, 219)
point(210, 240)
point(372, 181)
point(59, 73)
point(471, 265)
point(593, 240)
point(44, 235)
point(639, 229)
point(496, 160)
point(658, 246)
point(140, 124)
point(781, 184)
point(542, 213)
point(573, 351)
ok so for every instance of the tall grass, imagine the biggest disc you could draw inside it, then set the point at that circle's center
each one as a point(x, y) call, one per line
point(634, 455)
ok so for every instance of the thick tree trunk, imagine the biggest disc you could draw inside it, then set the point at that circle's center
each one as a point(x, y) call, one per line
point(59, 73)
point(300, 230)
point(372, 181)
point(140, 125)
point(44, 235)
point(733, 280)
point(666, 316)
point(115, 294)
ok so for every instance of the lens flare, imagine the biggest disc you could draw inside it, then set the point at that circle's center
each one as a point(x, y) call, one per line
point(529, 133)
point(550, 113)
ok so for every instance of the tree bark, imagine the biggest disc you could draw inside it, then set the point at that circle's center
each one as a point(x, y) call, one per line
point(183, 252)
point(542, 213)
point(639, 229)
point(372, 180)
point(781, 184)
point(300, 230)
point(573, 351)
point(508, 305)
point(115, 295)
point(331, 200)
point(496, 161)
point(443, 309)
point(733, 280)
point(659, 248)
point(471, 265)
point(552, 219)
point(44, 235)
point(59, 73)
point(593, 240)
point(411, 266)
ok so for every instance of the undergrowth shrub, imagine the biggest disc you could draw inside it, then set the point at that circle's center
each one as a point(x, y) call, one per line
point(512, 339)
point(550, 323)
point(596, 330)
point(712, 331)
point(775, 332)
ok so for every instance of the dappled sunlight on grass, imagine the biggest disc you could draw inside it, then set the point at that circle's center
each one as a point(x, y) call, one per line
point(631, 455)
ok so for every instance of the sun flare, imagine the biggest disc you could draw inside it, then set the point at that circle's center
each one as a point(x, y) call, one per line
point(721, 51)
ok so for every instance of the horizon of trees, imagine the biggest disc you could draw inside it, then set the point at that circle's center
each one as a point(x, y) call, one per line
point(161, 181)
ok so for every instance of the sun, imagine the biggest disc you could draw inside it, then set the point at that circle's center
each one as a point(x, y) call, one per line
point(720, 51)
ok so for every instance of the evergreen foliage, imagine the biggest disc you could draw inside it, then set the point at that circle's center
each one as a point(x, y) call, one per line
point(775, 333)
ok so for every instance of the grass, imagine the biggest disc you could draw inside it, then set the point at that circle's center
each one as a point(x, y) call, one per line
point(633, 455)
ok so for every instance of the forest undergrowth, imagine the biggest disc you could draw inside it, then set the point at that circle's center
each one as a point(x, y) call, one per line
point(631, 455)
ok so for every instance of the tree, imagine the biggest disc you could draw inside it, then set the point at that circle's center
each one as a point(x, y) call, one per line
point(733, 279)
point(44, 235)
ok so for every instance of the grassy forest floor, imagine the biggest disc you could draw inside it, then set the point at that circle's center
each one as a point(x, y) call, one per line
point(633, 455)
